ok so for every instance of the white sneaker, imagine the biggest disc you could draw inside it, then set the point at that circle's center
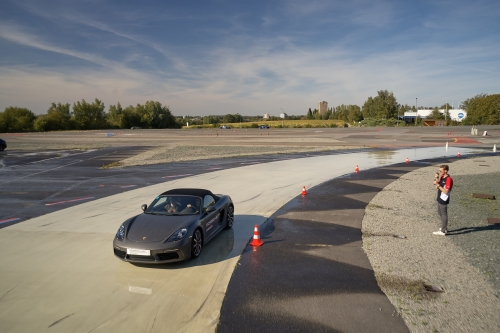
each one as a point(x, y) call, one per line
point(439, 233)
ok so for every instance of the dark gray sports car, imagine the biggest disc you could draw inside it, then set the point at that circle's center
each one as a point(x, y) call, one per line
point(175, 226)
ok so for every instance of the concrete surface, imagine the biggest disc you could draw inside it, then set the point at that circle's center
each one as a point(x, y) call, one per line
point(59, 273)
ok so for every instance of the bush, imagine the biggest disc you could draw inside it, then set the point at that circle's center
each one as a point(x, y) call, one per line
point(15, 119)
point(373, 122)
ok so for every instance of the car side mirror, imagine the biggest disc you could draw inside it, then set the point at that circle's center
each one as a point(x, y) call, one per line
point(144, 207)
point(210, 209)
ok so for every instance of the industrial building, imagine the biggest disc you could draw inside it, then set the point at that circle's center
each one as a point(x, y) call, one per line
point(455, 115)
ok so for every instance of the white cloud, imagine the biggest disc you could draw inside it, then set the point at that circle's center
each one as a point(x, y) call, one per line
point(250, 73)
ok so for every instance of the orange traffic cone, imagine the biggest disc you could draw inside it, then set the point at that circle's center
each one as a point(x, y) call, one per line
point(407, 160)
point(458, 155)
point(256, 237)
point(304, 192)
point(357, 168)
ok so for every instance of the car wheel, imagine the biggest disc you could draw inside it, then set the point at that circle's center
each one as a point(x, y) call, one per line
point(230, 217)
point(196, 244)
point(1, 148)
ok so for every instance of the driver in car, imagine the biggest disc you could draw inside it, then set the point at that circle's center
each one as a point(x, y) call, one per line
point(173, 205)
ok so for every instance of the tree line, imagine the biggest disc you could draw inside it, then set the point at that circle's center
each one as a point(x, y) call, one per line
point(87, 116)
point(382, 109)
point(481, 109)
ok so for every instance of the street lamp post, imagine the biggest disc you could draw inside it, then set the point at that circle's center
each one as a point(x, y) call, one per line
point(416, 113)
point(283, 119)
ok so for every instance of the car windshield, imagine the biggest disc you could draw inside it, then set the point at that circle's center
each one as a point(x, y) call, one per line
point(174, 205)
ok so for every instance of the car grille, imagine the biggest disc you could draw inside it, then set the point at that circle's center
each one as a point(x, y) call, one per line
point(141, 258)
point(120, 253)
point(168, 255)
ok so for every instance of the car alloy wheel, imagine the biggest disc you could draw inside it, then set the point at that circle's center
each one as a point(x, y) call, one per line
point(196, 244)
point(230, 217)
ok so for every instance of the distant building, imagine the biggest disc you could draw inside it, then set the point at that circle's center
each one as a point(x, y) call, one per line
point(322, 107)
point(283, 115)
point(455, 114)
point(265, 116)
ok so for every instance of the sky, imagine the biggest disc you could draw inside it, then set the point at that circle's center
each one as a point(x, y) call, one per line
point(248, 57)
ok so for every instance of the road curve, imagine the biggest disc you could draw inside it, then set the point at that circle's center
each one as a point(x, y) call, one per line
point(59, 273)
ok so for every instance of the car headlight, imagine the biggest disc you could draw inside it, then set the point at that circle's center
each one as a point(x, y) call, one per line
point(120, 233)
point(178, 235)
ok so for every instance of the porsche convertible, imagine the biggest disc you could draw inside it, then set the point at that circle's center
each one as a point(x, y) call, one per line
point(174, 227)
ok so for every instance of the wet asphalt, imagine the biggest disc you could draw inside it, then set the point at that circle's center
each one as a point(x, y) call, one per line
point(311, 274)
point(35, 183)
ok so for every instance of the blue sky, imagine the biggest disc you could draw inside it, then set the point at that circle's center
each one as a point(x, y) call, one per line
point(247, 57)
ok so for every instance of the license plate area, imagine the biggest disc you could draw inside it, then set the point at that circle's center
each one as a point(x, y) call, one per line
point(139, 252)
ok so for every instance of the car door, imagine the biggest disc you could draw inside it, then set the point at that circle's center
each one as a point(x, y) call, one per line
point(210, 220)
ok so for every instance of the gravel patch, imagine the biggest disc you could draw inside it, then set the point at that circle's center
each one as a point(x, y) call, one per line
point(167, 154)
point(265, 139)
point(465, 263)
point(488, 140)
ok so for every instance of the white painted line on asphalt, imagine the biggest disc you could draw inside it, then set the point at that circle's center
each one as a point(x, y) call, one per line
point(62, 166)
point(10, 220)
point(66, 201)
point(36, 173)
point(176, 176)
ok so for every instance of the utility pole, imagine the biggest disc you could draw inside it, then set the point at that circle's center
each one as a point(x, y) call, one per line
point(416, 109)
point(397, 122)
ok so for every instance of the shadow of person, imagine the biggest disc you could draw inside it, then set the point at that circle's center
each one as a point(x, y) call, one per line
point(467, 230)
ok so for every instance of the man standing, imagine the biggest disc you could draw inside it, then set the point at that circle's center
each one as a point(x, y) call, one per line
point(444, 184)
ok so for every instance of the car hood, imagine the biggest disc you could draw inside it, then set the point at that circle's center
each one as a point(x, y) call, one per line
point(146, 228)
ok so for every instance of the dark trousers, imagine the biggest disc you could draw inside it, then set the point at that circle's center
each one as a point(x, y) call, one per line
point(443, 213)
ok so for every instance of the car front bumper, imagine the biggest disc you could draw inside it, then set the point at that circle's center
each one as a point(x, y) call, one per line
point(176, 251)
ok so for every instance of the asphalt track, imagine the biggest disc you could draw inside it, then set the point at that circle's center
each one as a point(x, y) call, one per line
point(59, 272)
point(34, 183)
point(312, 274)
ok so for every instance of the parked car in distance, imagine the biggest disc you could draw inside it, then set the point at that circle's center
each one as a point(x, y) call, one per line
point(263, 127)
point(225, 127)
point(3, 145)
point(135, 127)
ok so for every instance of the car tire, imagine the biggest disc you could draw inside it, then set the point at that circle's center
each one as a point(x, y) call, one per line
point(229, 217)
point(196, 244)
point(2, 148)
